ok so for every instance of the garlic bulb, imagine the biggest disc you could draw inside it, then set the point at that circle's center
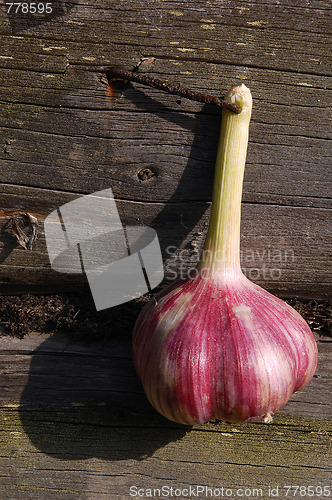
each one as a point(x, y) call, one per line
point(218, 346)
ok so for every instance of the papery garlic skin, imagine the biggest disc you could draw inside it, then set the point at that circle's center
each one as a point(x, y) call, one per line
point(219, 346)
point(221, 350)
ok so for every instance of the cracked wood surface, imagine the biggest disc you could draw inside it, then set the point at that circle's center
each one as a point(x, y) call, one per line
point(74, 423)
point(62, 137)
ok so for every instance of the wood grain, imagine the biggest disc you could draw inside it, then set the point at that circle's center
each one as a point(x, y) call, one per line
point(278, 246)
point(74, 423)
point(62, 137)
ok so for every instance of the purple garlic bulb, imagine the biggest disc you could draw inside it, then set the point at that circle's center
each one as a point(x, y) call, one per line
point(218, 346)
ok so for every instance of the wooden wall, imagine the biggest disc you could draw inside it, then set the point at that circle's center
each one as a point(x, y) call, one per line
point(62, 137)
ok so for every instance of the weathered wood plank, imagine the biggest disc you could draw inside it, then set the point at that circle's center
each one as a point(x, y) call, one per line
point(87, 453)
point(183, 166)
point(111, 144)
point(81, 84)
point(74, 423)
point(284, 251)
point(262, 37)
point(61, 133)
point(43, 369)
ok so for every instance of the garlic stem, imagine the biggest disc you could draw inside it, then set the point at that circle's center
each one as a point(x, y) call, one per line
point(221, 251)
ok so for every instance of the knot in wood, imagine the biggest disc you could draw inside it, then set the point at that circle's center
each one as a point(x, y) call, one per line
point(144, 174)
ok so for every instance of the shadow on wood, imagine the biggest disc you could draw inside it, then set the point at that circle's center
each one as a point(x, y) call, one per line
point(90, 405)
point(205, 126)
point(10, 242)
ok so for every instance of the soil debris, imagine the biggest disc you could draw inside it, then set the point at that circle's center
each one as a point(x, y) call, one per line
point(76, 313)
